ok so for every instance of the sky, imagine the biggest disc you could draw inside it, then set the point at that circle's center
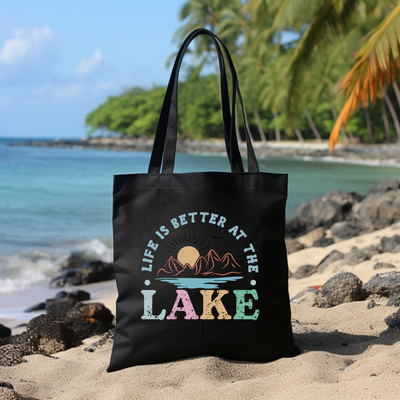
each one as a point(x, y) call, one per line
point(59, 60)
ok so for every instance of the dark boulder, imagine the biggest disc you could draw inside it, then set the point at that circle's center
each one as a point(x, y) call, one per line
point(371, 304)
point(293, 245)
point(355, 256)
point(329, 259)
point(6, 385)
point(4, 331)
point(390, 245)
point(393, 301)
point(59, 307)
point(78, 295)
point(75, 260)
point(335, 206)
point(344, 230)
point(89, 272)
point(46, 334)
point(89, 319)
point(385, 186)
point(323, 242)
point(36, 307)
point(304, 271)
point(344, 287)
point(393, 320)
point(370, 251)
point(384, 284)
point(7, 392)
point(383, 265)
point(378, 210)
point(11, 355)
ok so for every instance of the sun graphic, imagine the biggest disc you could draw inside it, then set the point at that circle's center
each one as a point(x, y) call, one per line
point(188, 255)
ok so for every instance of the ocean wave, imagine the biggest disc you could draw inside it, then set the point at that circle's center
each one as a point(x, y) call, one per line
point(20, 269)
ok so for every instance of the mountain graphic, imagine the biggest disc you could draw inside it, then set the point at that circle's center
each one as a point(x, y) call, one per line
point(210, 265)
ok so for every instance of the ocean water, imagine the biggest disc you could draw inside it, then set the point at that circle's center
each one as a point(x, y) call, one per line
point(54, 201)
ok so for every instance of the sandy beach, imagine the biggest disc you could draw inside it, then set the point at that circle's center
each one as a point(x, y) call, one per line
point(347, 352)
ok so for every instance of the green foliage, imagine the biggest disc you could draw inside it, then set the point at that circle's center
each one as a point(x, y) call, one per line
point(136, 111)
point(275, 79)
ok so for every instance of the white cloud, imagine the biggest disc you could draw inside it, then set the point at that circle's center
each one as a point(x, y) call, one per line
point(87, 65)
point(25, 44)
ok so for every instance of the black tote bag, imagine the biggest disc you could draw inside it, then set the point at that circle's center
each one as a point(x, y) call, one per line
point(200, 258)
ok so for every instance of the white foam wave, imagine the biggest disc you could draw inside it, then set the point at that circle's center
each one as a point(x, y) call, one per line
point(24, 268)
point(342, 160)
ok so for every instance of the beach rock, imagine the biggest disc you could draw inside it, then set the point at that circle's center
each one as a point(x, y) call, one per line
point(78, 295)
point(393, 320)
point(371, 304)
point(292, 245)
point(36, 307)
point(385, 284)
point(390, 245)
point(385, 186)
point(293, 228)
point(59, 307)
point(309, 238)
point(11, 354)
point(355, 256)
point(329, 259)
point(46, 334)
point(323, 242)
point(89, 319)
point(335, 206)
point(370, 251)
point(89, 272)
point(344, 230)
point(344, 287)
point(75, 260)
point(7, 392)
point(6, 385)
point(393, 301)
point(304, 270)
point(383, 265)
point(378, 210)
point(4, 331)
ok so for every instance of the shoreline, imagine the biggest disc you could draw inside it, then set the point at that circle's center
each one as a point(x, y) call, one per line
point(368, 154)
point(344, 286)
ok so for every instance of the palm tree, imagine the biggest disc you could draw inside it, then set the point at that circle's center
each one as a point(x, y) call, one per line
point(376, 64)
point(321, 22)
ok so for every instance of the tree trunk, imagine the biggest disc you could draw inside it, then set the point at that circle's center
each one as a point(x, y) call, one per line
point(369, 126)
point(298, 134)
point(342, 131)
point(393, 114)
point(312, 125)
point(260, 128)
point(277, 132)
point(396, 90)
point(385, 120)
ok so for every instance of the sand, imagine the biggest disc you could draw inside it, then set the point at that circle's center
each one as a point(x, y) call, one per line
point(347, 353)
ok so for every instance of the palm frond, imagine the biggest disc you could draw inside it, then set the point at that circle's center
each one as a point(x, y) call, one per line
point(324, 27)
point(376, 62)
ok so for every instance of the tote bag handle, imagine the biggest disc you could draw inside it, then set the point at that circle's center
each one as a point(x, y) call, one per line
point(166, 135)
point(166, 128)
point(231, 139)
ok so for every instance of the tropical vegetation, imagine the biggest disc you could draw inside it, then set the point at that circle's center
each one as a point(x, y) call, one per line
point(308, 70)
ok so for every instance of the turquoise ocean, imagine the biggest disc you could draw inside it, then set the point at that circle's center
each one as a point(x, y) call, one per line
point(56, 200)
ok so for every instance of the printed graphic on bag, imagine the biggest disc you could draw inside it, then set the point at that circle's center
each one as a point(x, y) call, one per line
point(194, 265)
